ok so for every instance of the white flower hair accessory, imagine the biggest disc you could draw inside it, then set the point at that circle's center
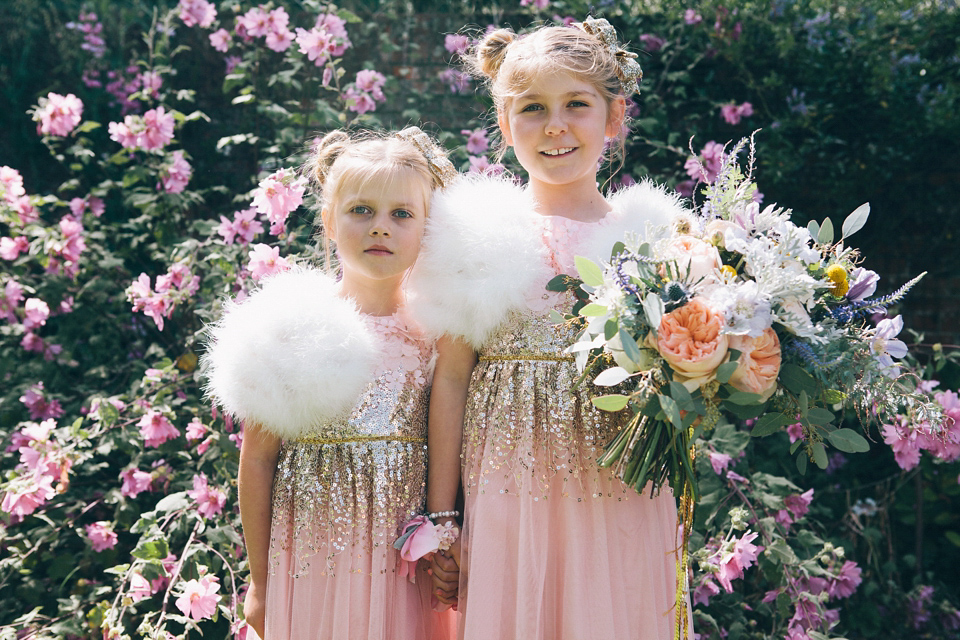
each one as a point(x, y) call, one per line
point(440, 166)
point(628, 69)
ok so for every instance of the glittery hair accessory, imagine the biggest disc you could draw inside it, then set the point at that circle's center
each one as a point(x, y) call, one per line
point(440, 166)
point(628, 69)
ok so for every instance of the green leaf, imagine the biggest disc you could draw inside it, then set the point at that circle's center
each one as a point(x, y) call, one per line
point(618, 248)
point(671, 410)
point(614, 402)
point(561, 283)
point(953, 537)
point(87, 126)
point(820, 455)
point(556, 317)
point(804, 404)
point(814, 228)
point(770, 423)
point(173, 502)
point(243, 99)
point(594, 310)
point(681, 396)
point(152, 549)
point(782, 552)
point(743, 397)
point(630, 347)
point(820, 416)
point(802, 460)
point(796, 379)
point(589, 271)
point(654, 308)
point(856, 220)
point(826, 232)
point(610, 377)
point(610, 329)
point(724, 372)
point(848, 441)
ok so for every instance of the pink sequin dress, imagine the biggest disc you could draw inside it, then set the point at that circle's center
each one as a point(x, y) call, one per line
point(340, 496)
point(553, 546)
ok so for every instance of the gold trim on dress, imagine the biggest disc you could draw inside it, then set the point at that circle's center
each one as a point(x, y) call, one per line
point(526, 356)
point(318, 440)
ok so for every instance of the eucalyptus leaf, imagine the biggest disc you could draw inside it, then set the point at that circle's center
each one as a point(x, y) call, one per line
point(820, 416)
point(796, 379)
point(724, 372)
point(630, 347)
point(614, 402)
point(826, 232)
point(856, 220)
point(594, 310)
point(589, 271)
point(671, 410)
point(769, 423)
point(820, 454)
point(654, 308)
point(814, 228)
point(681, 396)
point(610, 377)
point(848, 441)
point(743, 397)
point(802, 462)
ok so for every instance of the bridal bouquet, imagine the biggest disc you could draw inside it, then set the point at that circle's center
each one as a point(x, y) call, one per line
point(736, 311)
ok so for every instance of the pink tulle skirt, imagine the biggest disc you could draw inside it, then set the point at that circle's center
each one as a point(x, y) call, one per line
point(362, 598)
point(576, 567)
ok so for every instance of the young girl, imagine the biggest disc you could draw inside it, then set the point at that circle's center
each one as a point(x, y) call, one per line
point(552, 545)
point(332, 382)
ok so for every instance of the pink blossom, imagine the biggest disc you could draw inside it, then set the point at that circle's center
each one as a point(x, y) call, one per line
point(372, 82)
point(651, 42)
point(155, 429)
point(458, 81)
point(690, 16)
point(210, 500)
point(277, 196)
point(737, 560)
point(243, 227)
point(316, 43)
point(38, 405)
point(799, 504)
point(135, 482)
point(482, 164)
point(200, 598)
point(11, 184)
point(58, 115)
point(358, 101)
point(176, 175)
point(336, 27)
point(11, 248)
point(232, 62)
point(277, 20)
point(150, 82)
point(158, 129)
point(903, 441)
point(704, 591)
point(101, 535)
point(123, 133)
point(37, 312)
point(220, 40)
point(139, 588)
point(846, 581)
point(719, 462)
point(477, 142)
point(279, 40)
point(266, 261)
point(31, 492)
point(539, 4)
point(456, 43)
point(795, 431)
point(733, 113)
point(196, 430)
point(197, 12)
point(705, 167)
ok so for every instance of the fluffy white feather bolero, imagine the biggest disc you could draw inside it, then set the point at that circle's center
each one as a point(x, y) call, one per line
point(290, 356)
point(483, 250)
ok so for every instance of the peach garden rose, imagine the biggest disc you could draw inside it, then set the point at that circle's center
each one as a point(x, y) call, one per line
point(759, 363)
point(701, 258)
point(690, 339)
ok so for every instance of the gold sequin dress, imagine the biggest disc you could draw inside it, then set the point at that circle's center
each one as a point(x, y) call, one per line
point(340, 496)
point(554, 547)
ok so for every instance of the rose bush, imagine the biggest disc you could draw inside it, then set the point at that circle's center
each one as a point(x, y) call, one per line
point(147, 170)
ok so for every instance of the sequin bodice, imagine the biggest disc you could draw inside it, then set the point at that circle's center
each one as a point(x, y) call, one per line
point(527, 417)
point(353, 481)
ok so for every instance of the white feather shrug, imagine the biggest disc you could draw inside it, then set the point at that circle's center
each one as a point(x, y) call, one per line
point(290, 356)
point(483, 251)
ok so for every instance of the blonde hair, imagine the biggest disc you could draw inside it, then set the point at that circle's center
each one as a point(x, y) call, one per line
point(341, 157)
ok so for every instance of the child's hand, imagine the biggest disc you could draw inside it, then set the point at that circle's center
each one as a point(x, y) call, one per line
point(445, 569)
point(255, 608)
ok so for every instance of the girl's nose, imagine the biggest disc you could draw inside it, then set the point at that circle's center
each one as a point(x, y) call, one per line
point(555, 125)
point(379, 230)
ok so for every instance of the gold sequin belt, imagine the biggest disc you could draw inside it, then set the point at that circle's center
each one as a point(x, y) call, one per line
point(543, 357)
point(351, 439)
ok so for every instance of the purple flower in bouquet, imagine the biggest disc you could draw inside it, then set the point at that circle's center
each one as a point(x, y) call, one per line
point(885, 346)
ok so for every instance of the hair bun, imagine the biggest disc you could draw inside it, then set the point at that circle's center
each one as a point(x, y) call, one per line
point(492, 50)
point(326, 153)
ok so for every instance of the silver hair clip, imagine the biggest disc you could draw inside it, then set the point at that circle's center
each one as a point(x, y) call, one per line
point(440, 166)
point(628, 69)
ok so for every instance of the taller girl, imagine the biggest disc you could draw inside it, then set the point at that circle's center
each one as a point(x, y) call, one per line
point(553, 546)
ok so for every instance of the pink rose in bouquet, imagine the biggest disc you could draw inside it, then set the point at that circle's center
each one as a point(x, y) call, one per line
point(759, 363)
point(700, 258)
point(690, 340)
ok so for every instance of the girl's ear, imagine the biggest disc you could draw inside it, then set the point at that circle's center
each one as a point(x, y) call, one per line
point(329, 230)
point(615, 117)
point(504, 123)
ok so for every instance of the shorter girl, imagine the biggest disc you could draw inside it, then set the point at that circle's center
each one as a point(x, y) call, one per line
point(331, 381)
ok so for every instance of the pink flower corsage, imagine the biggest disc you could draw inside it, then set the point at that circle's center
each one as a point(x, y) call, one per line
point(421, 537)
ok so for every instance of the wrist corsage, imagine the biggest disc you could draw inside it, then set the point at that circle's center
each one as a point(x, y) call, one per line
point(420, 537)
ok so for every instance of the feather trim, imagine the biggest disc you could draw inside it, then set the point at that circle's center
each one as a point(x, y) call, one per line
point(481, 254)
point(291, 356)
point(643, 208)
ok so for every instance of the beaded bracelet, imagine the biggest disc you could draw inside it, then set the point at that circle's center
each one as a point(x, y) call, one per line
point(443, 514)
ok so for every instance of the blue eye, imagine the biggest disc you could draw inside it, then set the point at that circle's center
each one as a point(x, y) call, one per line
point(402, 213)
point(531, 107)
point(360, 210)
point(578, 103)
